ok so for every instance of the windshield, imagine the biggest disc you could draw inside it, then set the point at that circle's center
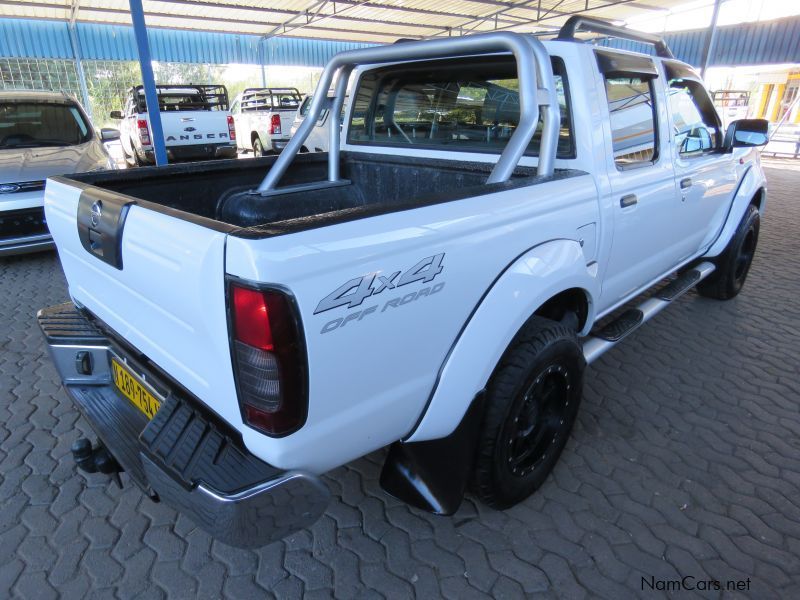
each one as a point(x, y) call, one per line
point(36, 124)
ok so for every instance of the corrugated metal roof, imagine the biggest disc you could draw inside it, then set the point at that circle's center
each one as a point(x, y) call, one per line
point(379, 21)
point(50, 39)
point(764, 43)
point(769, 42)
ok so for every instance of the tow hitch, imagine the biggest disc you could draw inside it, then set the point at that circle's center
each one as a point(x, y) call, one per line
point(96, 459)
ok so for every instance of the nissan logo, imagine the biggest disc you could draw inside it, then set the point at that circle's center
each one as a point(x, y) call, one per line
point(97, 212)
point(8, 188)
point(190, 129)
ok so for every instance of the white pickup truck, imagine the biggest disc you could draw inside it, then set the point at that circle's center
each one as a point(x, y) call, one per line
point(435, 283)
point(263, 118)
point(195, 118)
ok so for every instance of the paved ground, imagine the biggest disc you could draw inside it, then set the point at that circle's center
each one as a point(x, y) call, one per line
point(685, 462)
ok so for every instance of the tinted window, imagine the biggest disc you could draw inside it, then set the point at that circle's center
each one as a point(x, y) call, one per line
point(305, 106)
point(633, 120)
point(464, 105)
point(33, 124)
point(694, 119)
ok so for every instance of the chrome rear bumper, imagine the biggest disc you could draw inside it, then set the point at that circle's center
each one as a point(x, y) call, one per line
point(183, 457)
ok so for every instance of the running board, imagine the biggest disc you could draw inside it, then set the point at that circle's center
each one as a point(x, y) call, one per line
point(600, 342)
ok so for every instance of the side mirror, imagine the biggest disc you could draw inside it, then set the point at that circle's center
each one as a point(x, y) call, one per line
point(116, 114)
point(746, 133)
point(107, 134)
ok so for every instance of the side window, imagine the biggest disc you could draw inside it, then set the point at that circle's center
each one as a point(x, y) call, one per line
point(235, 108)
point(631, 108)
point(694, 119)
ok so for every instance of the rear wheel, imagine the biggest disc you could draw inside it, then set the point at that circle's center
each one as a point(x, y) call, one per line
point(531, 404)
point(258, 148)
point(733, 264)
point(130, 161)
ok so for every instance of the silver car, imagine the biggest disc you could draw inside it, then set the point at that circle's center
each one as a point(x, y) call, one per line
point(41, 134)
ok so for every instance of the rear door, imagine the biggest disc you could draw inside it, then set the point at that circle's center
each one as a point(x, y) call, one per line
point(156, 280)
point(706, 177)
point(644, 203)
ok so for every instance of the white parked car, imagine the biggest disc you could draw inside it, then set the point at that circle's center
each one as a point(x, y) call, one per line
point(317, 140)
point(436, 283)
point(41, 134)
point(195, 118)
point(263, 118)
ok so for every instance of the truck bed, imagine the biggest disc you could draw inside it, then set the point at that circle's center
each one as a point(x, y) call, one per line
point(377, 185)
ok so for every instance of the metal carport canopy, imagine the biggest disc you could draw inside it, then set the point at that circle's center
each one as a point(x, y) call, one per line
point(379, 21)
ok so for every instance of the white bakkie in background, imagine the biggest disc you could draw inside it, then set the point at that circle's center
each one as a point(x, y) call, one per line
point(263, 118)
point(195, 118)
point(436, 282)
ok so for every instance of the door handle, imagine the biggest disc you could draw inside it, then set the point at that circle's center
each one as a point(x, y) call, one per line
point(686, 183)
point(628, 200)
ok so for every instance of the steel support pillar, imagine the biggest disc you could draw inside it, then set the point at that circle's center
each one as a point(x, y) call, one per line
point(711, 37)
point(76, 53)
point(148, 81)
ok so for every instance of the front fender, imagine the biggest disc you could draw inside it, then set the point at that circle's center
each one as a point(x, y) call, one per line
point(752, 181)
point(522, 287)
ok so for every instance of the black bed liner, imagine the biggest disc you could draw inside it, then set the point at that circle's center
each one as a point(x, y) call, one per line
point(211, 194)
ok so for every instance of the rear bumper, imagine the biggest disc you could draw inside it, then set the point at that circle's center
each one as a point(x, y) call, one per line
point(279, 144)
point(185, 456)
point(193, 152)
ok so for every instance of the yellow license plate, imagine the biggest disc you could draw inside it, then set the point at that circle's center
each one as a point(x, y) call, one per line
point(129, 386)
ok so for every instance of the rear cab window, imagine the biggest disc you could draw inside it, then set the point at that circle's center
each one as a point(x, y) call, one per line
point(464, 105)
point(631, 98)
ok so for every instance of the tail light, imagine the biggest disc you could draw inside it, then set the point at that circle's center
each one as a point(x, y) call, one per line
point(144, 132)
point(275, 125)
point(269, 359)
point(231, 129)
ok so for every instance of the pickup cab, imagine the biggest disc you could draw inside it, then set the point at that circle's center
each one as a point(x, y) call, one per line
point(263, 118)
point(195, 119)
point(485, 225)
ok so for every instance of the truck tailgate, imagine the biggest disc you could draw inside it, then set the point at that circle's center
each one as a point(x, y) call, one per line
point(186, 128)
point(167, 299)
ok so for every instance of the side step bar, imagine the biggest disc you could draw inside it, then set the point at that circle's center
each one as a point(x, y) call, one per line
point(600, 342)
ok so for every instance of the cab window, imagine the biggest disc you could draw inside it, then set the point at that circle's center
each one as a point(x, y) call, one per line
point(467, 105)
point(695, 123)
point(631, 108)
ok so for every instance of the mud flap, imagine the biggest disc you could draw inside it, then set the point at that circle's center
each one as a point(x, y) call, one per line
point(433, 475)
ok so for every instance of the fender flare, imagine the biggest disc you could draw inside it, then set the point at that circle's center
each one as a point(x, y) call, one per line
point(533, 278)
point(752, 181)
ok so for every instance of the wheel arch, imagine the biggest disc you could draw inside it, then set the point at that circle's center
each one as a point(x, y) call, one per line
point(542, 282)
point(752, 190)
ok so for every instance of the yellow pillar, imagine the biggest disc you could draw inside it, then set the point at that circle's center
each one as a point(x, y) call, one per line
point(778, 98)
point(766, 92)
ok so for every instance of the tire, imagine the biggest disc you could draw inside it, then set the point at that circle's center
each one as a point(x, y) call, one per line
point(258, 148)
point(733, 264)
point(130, 161)
point(541, 374)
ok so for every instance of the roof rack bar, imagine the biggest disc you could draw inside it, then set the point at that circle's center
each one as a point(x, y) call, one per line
point(580, 23)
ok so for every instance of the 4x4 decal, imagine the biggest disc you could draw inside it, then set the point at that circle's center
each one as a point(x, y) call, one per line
point(354, 292)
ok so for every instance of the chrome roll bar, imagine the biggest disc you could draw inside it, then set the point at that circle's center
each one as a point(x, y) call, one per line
point(536, 88)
